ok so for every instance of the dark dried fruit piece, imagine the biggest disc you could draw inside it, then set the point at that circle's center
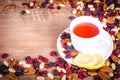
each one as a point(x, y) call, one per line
point(55, 72)
point(4, 55)
point(3, 70)
point(71, 17)
point(36, 64)
point(19, 73)
point(51, 64)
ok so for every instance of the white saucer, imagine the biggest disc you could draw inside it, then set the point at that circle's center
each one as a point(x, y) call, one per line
point(105, 48)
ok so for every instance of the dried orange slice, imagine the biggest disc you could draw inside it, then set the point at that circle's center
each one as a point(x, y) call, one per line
point(89, 61)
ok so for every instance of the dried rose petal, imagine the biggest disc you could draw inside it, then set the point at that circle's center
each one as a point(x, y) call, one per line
point(4, 55)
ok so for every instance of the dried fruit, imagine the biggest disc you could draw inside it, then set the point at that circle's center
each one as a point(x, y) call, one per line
point(53, 53)
point(55, 72)
point(51, 64)
point(36, 64)
point(18, 73)
point(4, 55)
point(3, 70)
point(71, 17)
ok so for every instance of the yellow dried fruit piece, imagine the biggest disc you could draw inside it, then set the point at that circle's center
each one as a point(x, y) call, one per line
point(89, 61)
point(85, 60)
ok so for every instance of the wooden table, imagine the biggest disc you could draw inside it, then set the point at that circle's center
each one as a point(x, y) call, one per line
point(30, 34)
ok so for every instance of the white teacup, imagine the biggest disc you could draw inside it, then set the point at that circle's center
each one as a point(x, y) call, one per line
point(86, 44)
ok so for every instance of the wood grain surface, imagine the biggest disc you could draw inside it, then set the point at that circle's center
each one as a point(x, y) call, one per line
point(30, 34)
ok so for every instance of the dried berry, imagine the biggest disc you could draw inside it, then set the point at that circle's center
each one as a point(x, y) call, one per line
point(3, 70)
point(53, 53)
point(55, 72)
point(36, 64)
point(71, 17)
point(4, 55)
point(58, 7)
point(19, 73)
point(44, 73)
point(51, 6)
point(96, 77)
point(18, 68)
point(51, 64)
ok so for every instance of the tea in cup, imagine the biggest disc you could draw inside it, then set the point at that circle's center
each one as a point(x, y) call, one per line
point(86, 32)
